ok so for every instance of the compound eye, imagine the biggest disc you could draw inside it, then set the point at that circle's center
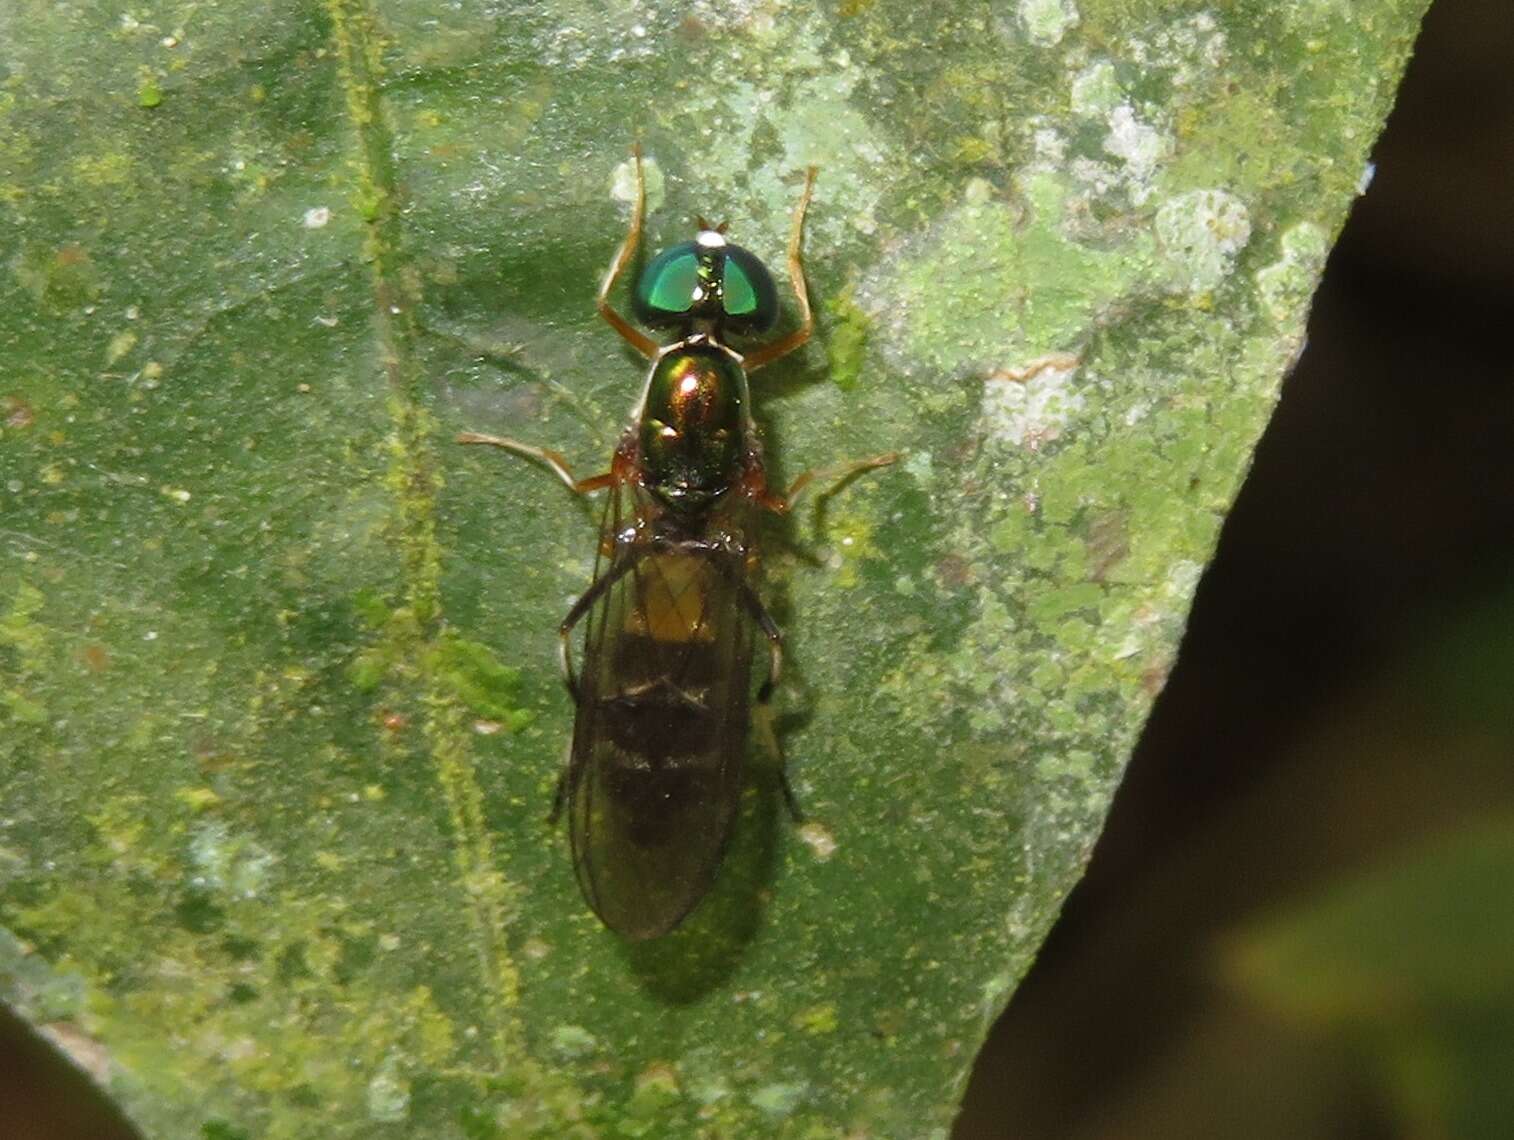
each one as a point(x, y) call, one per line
point(751, 298)
point(667, 287)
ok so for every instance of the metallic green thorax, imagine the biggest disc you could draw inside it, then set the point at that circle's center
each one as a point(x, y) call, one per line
point(707, 280)
point(691, 427)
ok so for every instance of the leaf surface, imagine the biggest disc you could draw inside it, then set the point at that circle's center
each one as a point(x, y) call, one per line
point(281, 715)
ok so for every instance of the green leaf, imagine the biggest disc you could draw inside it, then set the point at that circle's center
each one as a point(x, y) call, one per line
point(281, 713)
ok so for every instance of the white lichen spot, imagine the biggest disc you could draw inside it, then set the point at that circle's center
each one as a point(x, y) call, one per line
point(994, 991)
point(1182, 581)
point(822, 127)
point(1050, 148)
point(1098, 178)
point(227, 863)
point(1031, 404)
point(1095, 90)
point(815, 121)
point(1047, 21)
point(1190, 50)
point(388, 1093)
point(120, 344)
point(572, 1042)
point(709, 1091)
point(1076, 764)
point(535, 949)
point(919, 465)
point(1369, 172)
point(316, 217)
point(1151, 625)
point(778, 1100)
point(1140, 146)
point(623, 182)
point(1286, 285)
point(977, 191)
point(1200, 232)
point(1207, 36)
point(820, 841)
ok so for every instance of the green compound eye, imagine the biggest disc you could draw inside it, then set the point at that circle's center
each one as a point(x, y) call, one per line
point(751, 298)
point(678, 286)
point(665, 291)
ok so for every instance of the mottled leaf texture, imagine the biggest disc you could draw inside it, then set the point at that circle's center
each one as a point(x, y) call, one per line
point(281, 718)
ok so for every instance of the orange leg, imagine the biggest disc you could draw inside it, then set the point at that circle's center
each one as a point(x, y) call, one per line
point(837, 477)
point(784, 345)
point(632, 335)
point(552, 459)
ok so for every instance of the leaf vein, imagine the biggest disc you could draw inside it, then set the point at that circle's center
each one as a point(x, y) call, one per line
point(415, 482)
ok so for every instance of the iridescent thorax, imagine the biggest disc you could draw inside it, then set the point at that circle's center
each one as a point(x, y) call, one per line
point(691, 425)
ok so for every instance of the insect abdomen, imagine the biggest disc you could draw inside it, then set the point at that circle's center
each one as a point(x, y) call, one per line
point(660, 737)
point(662, 718)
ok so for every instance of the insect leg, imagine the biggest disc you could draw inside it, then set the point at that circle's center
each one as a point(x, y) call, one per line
point(565, 777)
point(552, 459)
point(837, 477)
point(789, 798)
point(762, 715)
point(774, 635)
point(764, 620)
point(784, 345)
point(632, 336)
point(559, 795)
point(762, 720)
point(616, 572)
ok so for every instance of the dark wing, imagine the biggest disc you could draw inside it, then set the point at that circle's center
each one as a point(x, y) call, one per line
point(660, 737)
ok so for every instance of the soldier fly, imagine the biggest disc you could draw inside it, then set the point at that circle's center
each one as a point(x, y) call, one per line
point(663, 697)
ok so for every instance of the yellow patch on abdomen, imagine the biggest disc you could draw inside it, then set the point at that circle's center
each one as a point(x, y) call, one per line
point(674, 603)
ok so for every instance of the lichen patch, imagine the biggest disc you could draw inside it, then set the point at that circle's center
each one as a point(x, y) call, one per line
point(1287, 283)
point(1201, 232)
point(1047, 21)
point(1031, 404)
point(1140, 146)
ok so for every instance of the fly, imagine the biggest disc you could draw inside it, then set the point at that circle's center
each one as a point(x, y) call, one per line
point(664, 695)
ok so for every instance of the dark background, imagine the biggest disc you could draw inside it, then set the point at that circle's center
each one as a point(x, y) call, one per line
point(1340, 698)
